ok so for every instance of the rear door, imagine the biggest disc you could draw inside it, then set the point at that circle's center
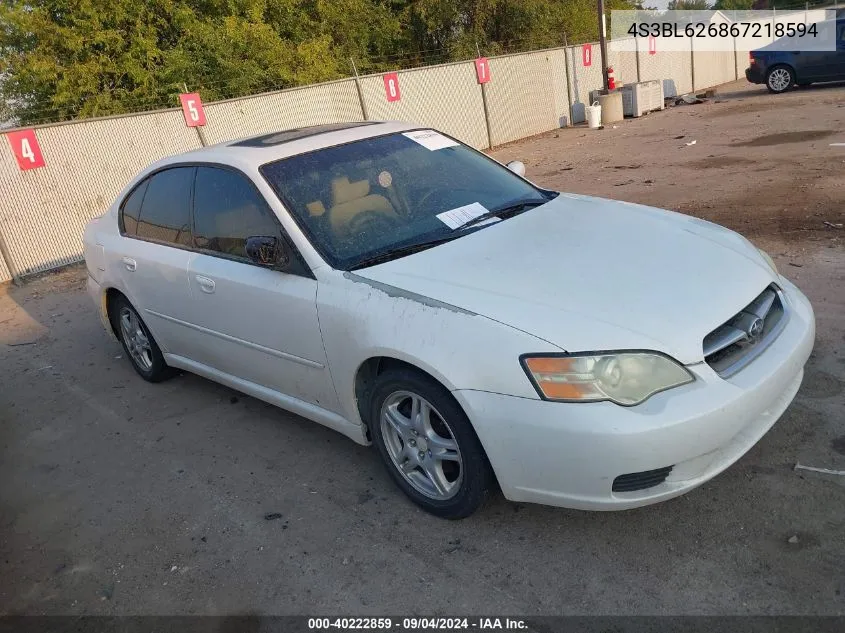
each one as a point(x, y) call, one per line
point(839, 64)
point(815, 65)
point(153, 260)
point(257, 323)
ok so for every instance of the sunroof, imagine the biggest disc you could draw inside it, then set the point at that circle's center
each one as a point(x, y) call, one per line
point(286, 136)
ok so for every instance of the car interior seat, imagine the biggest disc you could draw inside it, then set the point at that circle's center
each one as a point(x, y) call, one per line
point(351, 199)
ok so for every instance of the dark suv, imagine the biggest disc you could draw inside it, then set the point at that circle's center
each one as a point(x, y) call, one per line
point(780, 68)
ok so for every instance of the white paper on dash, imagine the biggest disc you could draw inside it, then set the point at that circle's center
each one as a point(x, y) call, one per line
point(456, 218)
point(430, 139)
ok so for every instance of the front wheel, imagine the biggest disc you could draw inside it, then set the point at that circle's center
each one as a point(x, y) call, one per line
point(780, 79)
point(428, 444)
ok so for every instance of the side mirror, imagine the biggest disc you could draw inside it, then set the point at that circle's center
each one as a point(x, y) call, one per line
point(267, 251)
point(517, 167)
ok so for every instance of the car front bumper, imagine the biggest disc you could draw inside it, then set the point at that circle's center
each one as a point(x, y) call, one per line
point(568, 454)
point(754, 74)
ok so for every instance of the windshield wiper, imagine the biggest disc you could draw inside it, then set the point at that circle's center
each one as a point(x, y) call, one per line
point(408, 249)
point(507, 211)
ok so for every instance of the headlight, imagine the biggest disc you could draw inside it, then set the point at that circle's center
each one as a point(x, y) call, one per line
point(769, 260)
point(626, 378)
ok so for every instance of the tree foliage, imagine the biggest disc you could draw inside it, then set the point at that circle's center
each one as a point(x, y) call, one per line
point(76, 58)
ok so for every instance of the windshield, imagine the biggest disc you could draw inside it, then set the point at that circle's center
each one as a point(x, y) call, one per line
point(369, 198)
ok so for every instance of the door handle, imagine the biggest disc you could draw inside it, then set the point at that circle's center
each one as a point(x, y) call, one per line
point(130, 264)
point(206, 284)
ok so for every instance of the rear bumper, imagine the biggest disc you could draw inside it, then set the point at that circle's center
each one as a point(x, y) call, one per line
point(569, 454)
point(95, 291)
point(755, 75)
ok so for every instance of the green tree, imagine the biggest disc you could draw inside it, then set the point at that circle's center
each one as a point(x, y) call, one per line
point(733, 5)
point(689, 5)
point(75, 58)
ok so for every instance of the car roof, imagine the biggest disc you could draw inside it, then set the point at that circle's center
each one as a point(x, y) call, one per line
point(251, 152)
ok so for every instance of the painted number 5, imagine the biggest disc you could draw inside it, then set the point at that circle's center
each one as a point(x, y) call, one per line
point(26, 149)
point(192, 109)
point(391, 87)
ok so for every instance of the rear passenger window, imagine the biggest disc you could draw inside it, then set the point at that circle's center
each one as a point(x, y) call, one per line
point(131, 209)
point(166, 209)
point(227, 210)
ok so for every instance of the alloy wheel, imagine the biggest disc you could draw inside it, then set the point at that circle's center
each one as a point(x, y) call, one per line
point(779, 79)
point(136, 339)
point(421, 445)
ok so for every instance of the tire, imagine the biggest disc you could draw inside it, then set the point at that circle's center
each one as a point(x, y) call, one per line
point(452, 487)
point(138, 343)
point(780, 79)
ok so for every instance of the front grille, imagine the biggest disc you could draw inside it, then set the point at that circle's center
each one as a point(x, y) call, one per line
point(738, 341)
point(641, 481)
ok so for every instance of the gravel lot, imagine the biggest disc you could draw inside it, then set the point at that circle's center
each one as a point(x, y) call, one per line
point(121, 497)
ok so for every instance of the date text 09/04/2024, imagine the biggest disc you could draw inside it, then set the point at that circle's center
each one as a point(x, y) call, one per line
point(416, 623)
point(737, 29)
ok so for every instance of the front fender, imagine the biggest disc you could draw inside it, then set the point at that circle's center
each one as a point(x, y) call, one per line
point(361, 319)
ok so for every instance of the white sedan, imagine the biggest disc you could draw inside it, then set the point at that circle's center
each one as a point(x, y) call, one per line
point(408, 291)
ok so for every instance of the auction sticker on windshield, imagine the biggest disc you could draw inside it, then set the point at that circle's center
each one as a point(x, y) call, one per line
point(459, 216)
point(430, 139)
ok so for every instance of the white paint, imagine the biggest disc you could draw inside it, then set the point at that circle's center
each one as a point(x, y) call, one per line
point(576, 274)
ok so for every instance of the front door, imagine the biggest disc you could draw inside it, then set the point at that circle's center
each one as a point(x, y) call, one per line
point(258, 324)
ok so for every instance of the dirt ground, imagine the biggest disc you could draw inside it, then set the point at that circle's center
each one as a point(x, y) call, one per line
point(121, 497)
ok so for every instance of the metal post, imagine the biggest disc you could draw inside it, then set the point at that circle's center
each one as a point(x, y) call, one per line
point(198, 128)
point(360, 92)
point(7, 258)
point(736, 55)
point(692, 63)
point(569, 90)
point(637, 56)
point(484, 104)
point(602, 43)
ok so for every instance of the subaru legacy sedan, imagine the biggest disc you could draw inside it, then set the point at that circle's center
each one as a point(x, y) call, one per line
point(397, 286)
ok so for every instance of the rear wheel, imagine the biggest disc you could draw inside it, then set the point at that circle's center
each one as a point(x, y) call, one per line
point(428, 444)
point(138, 343)
point(780, 79)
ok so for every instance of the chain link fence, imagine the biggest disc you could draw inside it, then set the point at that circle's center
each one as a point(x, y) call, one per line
point(43, 211)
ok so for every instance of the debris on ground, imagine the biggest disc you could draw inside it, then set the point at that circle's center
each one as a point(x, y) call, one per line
point(691, 143)
point(833, 225)
point(272, 516)
point(680, 136)
point(824, 471)
point(792, 540)
point(796, 265)
point(689, 100)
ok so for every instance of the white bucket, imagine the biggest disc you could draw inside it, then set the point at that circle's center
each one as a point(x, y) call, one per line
point(593, 113)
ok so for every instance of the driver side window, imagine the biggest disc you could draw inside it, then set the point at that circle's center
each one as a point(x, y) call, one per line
point(228, 210)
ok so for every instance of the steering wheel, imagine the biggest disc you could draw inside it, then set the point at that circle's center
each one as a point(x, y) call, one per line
point(372, 222)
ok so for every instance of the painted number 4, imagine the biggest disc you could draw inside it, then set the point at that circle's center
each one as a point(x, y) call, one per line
point(26, 149)
point(192, 109)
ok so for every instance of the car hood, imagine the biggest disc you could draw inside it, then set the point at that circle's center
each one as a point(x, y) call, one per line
point(587, 274)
